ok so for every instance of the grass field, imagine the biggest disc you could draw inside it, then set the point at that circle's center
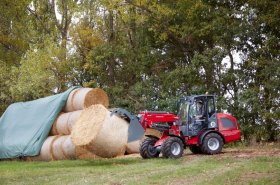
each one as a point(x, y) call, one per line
point(259, 165)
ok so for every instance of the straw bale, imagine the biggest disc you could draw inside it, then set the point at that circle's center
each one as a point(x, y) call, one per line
point(46, 150)
point(73, 118)
point(101, 132)
point(82, 98)
point(54, 127)
point(57, 151)
point(61, 148)
point(83, 153)
point(64, 123)
point(133, 147)
point(68, 148)
point(60, 125)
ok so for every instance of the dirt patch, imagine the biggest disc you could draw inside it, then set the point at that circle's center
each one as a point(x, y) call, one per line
point(250, 152)
point(228, 152)
point(129, 156)
point(255, 176)
point(238, 153)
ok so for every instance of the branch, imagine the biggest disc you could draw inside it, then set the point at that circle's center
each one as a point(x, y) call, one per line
point(138, 6)
point(39, 19)
point(54, 15)
point(133, 99)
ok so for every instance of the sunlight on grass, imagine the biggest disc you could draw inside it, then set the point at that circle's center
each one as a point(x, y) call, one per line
point(191, 169)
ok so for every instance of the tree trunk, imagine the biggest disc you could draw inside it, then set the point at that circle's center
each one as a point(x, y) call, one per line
point(111, 40)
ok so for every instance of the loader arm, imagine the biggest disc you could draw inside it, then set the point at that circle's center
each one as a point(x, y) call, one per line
point(135, 129)
point(151, 119)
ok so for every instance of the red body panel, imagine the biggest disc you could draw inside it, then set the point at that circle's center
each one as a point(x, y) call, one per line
point(192, 140)
point(229, 134)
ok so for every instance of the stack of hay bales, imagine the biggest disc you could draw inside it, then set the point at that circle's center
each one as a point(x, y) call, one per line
point(59, 144)
point(86, 129)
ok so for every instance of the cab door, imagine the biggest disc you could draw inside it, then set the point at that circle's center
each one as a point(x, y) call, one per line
point(198, 115)
point(211, 113)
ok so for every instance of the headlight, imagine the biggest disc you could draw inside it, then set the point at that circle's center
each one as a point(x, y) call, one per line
point(213, 124)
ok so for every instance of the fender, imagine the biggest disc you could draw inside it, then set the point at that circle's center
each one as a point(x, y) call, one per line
point(181, 138)
point(152, 136)
point(162, 139)
point(201, 137)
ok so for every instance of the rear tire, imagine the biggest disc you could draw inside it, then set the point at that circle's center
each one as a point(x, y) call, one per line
point(212, 144)
point(147, 149)
point(172, 147)
point(195, 149)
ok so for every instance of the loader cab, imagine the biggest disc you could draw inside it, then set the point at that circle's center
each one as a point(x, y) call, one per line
point(197, 113)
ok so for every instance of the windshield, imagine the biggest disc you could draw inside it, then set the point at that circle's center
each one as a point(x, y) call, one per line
point(183, 109)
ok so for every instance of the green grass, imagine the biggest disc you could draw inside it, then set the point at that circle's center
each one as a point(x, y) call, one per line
point(228, 168)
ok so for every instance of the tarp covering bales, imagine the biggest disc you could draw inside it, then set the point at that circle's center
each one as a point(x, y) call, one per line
point(25, 125)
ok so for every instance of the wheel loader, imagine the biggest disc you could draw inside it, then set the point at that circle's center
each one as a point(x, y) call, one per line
point(196, 125)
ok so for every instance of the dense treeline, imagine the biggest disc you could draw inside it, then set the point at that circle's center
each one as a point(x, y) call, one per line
point(147, 53)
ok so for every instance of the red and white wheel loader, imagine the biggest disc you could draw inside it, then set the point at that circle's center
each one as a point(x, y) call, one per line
point(197, 125)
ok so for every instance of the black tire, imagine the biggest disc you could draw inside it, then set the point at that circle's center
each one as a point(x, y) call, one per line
point(172, 147)
point(195, 149)
point(212, 144)
point(147, 149)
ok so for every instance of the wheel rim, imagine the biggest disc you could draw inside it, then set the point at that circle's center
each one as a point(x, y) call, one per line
point(152, 150)
point(175, 148)
point(213, 143)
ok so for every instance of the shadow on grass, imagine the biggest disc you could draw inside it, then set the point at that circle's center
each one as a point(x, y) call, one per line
point(103, 163)
point(83, 163)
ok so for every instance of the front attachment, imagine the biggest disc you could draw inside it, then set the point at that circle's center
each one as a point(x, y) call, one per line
point(135, 129)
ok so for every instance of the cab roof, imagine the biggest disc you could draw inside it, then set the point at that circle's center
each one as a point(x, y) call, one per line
point(197, 96)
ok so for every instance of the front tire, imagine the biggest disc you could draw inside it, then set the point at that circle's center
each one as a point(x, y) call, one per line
point(147, 149)
point(172, 147)
point(212, 144)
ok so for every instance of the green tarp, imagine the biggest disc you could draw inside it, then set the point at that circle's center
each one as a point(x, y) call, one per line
point(25, 125)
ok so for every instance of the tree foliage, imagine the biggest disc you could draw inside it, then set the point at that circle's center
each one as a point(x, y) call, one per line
point(146, 54)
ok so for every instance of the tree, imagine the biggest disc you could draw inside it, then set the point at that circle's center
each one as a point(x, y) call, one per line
point(13, 42)
point(38, 74)
point(146, 54)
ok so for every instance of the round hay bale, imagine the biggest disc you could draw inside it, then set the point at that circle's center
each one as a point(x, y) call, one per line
point(53, 131)
point(73, 118)
point(82, 98)
point(60, 125)
point(46, 150)
point(68, 148)
point(83, 153)
point(64, 123)
point(57, 151)
point(133, 147)
point(54, 126)
point(101, 132)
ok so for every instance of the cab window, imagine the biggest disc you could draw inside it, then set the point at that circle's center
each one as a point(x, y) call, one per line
point(211, 106)
point(183, 111)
